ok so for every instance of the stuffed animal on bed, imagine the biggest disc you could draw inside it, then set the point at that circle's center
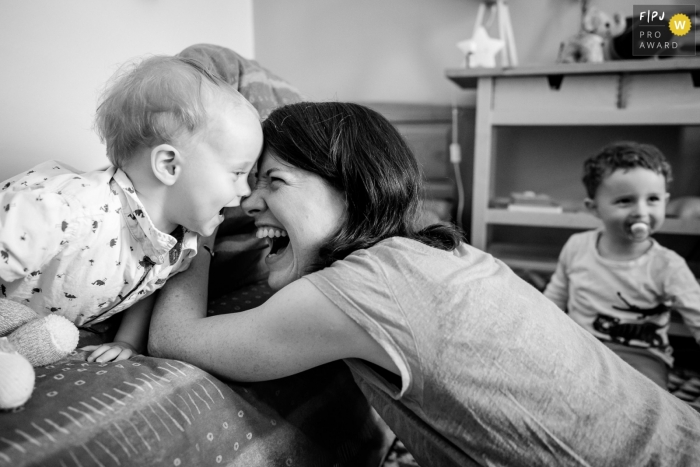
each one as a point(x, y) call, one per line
point(28, 340)
point(591, 43)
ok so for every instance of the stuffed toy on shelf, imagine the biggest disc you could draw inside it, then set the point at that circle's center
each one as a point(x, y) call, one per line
point(590, 45)
point(27, 341)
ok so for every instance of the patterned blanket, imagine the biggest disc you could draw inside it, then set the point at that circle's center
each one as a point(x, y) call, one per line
point(151, 411)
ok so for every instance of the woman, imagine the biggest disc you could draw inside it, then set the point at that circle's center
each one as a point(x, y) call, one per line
point(467, 363)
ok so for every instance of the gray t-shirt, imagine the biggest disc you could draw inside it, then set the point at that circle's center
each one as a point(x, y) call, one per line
point(492, 372)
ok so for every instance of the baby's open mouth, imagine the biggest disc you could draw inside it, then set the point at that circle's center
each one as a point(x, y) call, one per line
point(278, 238)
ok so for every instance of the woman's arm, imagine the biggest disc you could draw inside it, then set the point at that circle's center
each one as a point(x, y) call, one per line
point(296, 329)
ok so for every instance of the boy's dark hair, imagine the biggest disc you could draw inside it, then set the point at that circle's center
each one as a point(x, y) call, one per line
point(153, 101)
point(358, 152)
point(623, 155)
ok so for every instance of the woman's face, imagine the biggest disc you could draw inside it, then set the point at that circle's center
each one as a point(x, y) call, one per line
point(297, 211)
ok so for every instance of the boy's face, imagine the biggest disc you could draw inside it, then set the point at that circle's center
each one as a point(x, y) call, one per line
point(215, 167)
point(629, 197)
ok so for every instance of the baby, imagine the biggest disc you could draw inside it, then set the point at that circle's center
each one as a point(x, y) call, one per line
point(90, 245)
point(618, 282)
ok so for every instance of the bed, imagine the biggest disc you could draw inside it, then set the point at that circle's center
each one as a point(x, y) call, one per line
point(150, 411)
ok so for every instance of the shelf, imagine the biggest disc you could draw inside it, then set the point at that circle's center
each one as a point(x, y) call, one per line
point(569, 117)
point(579, 220)
point(540, 258)
point(573, 220)
point(468, 78)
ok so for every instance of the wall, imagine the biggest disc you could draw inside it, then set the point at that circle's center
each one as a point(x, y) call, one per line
point(57, 56)
point(398, 50)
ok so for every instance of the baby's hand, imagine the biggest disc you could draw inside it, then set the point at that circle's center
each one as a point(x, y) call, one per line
point(112, 351)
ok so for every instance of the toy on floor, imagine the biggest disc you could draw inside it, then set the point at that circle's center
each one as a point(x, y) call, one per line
point(591, 43)
point(28, 340)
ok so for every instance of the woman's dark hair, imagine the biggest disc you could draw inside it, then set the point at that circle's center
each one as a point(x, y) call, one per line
point(359, 153)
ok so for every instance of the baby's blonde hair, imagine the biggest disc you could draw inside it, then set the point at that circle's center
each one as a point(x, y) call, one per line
point(156, 100)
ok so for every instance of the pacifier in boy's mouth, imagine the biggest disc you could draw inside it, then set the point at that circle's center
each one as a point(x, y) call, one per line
point(639, 230)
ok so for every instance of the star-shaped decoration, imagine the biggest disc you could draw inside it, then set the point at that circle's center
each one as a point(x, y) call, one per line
point(481, 50)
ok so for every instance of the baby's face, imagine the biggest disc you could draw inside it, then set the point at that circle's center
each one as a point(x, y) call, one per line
point(215, 169)
point(631, 203)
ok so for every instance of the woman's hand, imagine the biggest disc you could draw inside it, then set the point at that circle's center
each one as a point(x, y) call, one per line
point(112, 351)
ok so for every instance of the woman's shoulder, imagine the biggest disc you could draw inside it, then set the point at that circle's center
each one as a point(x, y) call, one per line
point(409, 248)
point(400, 257)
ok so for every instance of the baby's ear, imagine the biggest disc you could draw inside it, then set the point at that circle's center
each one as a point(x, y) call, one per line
point(667, 197)
point(166, 163)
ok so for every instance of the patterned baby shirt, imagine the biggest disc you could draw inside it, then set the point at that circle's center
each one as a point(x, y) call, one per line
point(81, 245)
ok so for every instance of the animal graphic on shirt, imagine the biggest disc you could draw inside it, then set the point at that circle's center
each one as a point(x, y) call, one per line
point(657, 310)
point(623, 331)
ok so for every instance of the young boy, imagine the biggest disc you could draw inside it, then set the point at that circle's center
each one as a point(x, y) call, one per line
point(90, 245)
point(618, 282)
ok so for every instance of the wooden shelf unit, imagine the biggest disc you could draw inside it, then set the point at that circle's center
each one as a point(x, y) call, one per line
point(629, 93)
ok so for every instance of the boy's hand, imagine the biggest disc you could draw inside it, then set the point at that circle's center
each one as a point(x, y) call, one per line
point(112, 351)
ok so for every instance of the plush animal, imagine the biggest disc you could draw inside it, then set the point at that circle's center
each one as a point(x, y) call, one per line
point(26, 341)
point(591, 43)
